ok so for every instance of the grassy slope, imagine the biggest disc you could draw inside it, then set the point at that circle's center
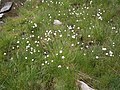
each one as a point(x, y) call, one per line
point(30, 56)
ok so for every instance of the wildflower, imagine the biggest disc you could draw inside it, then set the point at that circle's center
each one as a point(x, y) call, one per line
point(41, 38)
point(111, 53)
point(59, 66)
point(36, 6)
point(56, 54)
point(68, 35)
point(55, 34)
point(38, 50)
point(26, 58)
point(60, 51)
point(31, 48)
point(98, 14)
point(27, 47)
point(106, 54)
point(72, 45)
point(82, 43)
point(18, 42)
point(34, 50)
point(17, 46)
point(35, 41)
point(73, 36)
point(13, 48)
point(11, 58)
point(42, 64)
point(113, 44)
point(47, 55)
point(113, 28)
point(45, 52)
point(58, 14)
point(87, 46)
point(78, 27)
point(64, 30)
point(32, 60)
point(100, 18)
point(31, 52)
point(61, 35)
point(32, 35)
point(97, 57)
point(33, 26)
point(37, 45)
point(32, 31)
point(63, 57)
point(104, 49)
point(91, 2)
point(88, 35)
point(27, 42)
point(67, 67)
point(46, 62)
point(38, 37)
point(78, 42)
point(116, 32)
point(81, 48)
point(90, 28)
point(26, 38)
point(23, 38)
point(51, 60)
point(5, 53)
point(70, 27)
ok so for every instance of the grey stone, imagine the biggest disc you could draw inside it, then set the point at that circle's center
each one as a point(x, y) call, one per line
point(1, 15)
point(6, 7)
point(1, 22)
point(57, 22)
point(84, 86)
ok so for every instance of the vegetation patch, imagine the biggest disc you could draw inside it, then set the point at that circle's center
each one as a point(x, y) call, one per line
point(36, 54)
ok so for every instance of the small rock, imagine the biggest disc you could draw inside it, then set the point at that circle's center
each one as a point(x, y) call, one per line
point(1, 22)
point(57, 22)
point(6, 7)
point(84, 86)
point(1, 15)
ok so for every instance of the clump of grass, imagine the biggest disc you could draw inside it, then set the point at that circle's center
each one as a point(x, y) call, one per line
point(37, 55)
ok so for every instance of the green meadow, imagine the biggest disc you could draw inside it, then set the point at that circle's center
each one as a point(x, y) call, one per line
point(35, 54)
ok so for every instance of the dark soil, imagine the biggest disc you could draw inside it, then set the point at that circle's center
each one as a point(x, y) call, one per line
point(16, 5)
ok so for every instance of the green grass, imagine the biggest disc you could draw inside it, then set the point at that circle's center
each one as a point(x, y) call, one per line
point(32, 58)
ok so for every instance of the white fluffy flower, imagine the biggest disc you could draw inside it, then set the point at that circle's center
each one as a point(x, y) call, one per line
point(59, 66)
point(63, 57)
point(52, 61)
point(97, 57)
point(26, 58)
point(60, 51)
point(104, 49)
point(42, 64)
